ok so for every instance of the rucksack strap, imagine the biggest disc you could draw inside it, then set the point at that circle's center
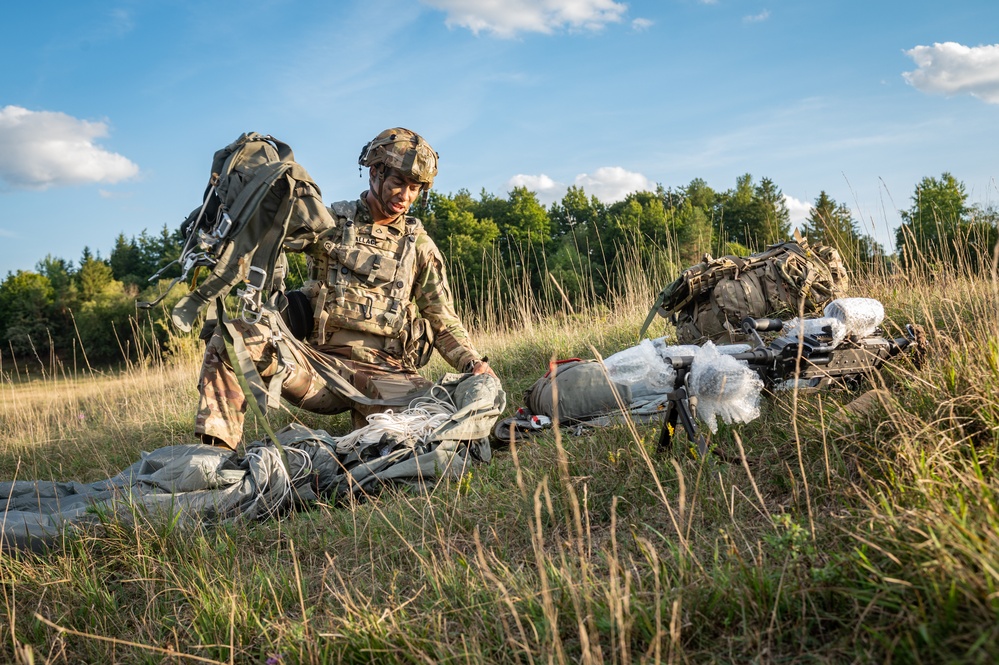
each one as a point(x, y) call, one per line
point(265, 257)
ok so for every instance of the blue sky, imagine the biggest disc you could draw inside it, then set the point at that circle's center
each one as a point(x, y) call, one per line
point(110, 111)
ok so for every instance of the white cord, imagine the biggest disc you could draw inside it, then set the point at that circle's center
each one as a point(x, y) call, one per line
point(424, 415)
point(284, 482)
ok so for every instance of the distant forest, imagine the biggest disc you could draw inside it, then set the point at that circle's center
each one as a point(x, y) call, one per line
point(87, 309)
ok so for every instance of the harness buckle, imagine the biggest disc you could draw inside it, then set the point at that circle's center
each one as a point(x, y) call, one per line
point(262, 276)
point(222, 230)
point(249, 307)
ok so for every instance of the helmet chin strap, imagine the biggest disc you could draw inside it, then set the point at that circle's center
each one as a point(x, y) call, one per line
point(376, 184)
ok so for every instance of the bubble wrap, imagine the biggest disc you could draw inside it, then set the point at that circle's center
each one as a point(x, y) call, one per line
point(642, 369)
point(686, 350)
point(861, 316)
point(724, 387)
point(677, 351)
point(796, 327)
point(732, 349)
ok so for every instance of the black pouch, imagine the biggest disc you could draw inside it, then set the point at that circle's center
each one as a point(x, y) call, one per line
point(298, 314)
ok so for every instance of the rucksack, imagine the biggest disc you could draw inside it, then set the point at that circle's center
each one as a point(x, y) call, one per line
point(257, 197)
point(708, 301)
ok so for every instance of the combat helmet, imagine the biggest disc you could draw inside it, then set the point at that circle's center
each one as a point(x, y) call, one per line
point(402, 149)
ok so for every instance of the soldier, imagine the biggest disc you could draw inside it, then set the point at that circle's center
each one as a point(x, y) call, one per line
point(375, 307)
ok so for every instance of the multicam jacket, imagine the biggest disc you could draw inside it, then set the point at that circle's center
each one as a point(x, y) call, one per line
point(380, 294)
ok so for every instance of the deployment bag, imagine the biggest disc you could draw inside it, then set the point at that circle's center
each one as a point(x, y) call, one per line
point(709, 300)
point(576, 391)
point(256, 199)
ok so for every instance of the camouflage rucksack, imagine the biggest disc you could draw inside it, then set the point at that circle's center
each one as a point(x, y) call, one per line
point(257, 196)
point(709, 300)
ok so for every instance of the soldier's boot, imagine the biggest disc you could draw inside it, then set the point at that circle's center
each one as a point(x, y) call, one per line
point(210, 440)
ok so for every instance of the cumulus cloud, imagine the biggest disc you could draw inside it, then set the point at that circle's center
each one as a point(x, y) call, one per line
point(952, 69)
point(612, 183)
point(608, 183)
point(535, 183)
point(798, 210)
point(641, 24)
point(507, 18)
point(757, 18)
point(42, 149)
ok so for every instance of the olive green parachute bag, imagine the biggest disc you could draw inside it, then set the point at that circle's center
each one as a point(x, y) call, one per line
point(708, 301)
point(257, 199)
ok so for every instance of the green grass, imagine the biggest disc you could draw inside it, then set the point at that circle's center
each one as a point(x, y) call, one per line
point(869, 538)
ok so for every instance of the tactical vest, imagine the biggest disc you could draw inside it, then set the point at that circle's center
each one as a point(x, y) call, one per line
point(359, 281)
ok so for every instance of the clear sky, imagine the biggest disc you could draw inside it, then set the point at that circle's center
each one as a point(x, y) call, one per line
point(110, 111)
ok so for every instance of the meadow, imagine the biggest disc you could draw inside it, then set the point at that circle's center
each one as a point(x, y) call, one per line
point(865, 536)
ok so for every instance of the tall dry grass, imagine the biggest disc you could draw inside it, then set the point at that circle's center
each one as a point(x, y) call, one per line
point(869, 537)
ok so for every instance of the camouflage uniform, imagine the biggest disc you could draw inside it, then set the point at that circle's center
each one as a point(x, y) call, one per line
point(357, 332)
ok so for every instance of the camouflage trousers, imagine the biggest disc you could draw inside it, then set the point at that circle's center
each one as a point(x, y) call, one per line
point(222, 404)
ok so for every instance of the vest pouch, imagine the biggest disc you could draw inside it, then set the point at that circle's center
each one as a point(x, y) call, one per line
point(699, 322)
point(298, 314)
point(739, 298)
point(419, 343)
point(687, 331)
point(375, 267)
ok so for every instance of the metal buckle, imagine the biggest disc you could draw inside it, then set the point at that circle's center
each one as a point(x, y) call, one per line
point(254, 270)
point(250, 296)
point(222, 230)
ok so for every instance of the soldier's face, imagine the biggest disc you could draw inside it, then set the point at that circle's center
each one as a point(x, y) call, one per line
point(397, 193)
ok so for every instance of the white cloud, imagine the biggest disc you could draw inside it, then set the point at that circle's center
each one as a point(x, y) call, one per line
point(951, 69)
point(612, 183)
point(507, 18)
point(757, 18)
point(641, 24)
point(535, 183)
point(799, 210)
point(547, 190)
point(608, 183)
point(41, 149)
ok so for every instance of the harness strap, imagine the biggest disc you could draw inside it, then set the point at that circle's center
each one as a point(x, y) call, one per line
point(263, 260)
point(251, 383)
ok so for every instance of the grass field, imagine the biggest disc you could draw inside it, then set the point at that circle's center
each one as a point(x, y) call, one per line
point(843, 538)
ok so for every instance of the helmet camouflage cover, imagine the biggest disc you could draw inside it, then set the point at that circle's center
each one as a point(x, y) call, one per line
point(404, 150)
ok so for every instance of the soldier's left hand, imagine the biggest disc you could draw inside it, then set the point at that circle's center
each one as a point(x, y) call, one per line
point(482, 367)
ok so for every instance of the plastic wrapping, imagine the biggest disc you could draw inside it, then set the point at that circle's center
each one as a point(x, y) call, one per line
point(687, 350)
point(724, 387)
point(678, 351)
point(817, 327)
point(642, 369)
point(732, 349)
point(860, 316)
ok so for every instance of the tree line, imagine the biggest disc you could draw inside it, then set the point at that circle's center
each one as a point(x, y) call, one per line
point(579, 244)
